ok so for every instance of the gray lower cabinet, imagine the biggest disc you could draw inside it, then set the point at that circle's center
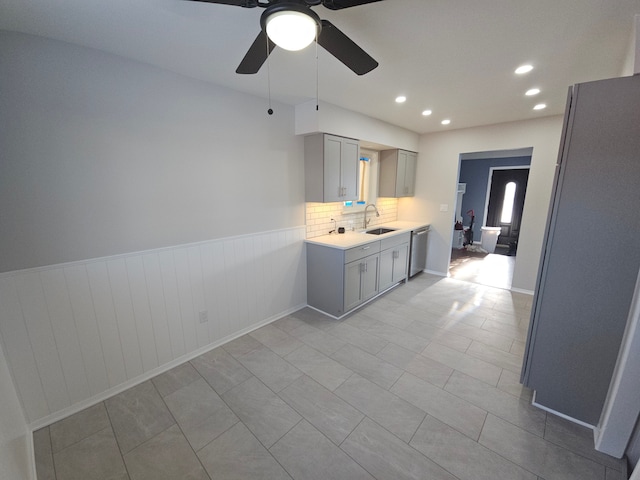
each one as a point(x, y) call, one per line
point(360, 281)
point(394, 263)
point(340, 280)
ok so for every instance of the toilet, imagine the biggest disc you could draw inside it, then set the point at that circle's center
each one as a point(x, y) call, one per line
point(489, 238)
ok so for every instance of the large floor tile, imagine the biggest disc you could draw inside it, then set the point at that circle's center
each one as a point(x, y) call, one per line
point(536, 454)
point(397, 336)
point(318, 339)
point(241, 345)
point(452, 410)
point(464, 363)
point(238, 455)
point(510, 383)
point(499, 403)
point(462, 456)
point(166, 456)
point(518, 332)
point(324, 370)
point(308, 455)
point(137, 415)
point(386, 457)
point(264, 413)
point(416, 364)
point(358, 337)
point(277, 340)
point(270, 368)
point(578, 439)
point(175, 379)
point(499, 340)
point(395, 414)
point(390, 317)
point(288, 323)
point(497, 357)
point(221, 370)
point(96, 457)
point(200, 412)
point(76, 427)
point(367, 365)
point(324, 410)
point(315, 319)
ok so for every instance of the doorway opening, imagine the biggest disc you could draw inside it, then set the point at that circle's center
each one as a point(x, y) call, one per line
point(491, 191)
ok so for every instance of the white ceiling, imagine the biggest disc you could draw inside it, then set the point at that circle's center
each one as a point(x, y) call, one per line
point(454, 57)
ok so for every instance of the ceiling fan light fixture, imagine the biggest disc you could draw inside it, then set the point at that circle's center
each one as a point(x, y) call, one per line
point(290, 29)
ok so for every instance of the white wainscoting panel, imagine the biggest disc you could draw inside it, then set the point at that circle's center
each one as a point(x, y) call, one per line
point(76, 333)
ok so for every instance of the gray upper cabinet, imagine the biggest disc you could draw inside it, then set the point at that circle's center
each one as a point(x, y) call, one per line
point(331, 168)
point(397, 173)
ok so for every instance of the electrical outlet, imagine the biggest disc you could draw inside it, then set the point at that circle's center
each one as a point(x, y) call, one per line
point(203, 316)
point(444, 207)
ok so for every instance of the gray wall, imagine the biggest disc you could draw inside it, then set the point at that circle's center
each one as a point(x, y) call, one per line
point(102, 155)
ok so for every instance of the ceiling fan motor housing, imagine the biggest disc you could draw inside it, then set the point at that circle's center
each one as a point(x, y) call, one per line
point(288, 6)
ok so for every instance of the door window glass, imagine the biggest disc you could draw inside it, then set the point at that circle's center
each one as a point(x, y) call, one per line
point(507, 202)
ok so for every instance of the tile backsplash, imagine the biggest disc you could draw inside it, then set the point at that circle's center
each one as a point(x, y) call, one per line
point(319, 215)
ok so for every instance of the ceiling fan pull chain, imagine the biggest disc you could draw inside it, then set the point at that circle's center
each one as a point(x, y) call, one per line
point(270, 111)
point(317, 73)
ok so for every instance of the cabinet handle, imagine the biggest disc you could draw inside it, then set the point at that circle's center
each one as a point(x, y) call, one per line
point(362, 267)
point(366, 248)
point(396, 254)
point(366, 267)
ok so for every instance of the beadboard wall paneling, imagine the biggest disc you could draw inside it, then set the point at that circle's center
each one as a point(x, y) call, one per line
point(75, 333)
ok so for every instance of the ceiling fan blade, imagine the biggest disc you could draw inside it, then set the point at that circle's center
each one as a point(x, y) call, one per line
point(340, 4)
point(256, 55)
point(237, 3)
point(344, 49)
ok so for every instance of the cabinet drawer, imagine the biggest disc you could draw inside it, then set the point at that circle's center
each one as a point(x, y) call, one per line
point(356, 253)
point(395, 240)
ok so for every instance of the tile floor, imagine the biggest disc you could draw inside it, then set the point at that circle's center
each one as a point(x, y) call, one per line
point(420, 384)
point(492, 270)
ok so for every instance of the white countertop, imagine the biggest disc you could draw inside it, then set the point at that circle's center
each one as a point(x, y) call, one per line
point(347, 240)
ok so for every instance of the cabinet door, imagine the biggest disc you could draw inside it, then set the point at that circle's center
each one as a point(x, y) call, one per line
point(333, 191)
point(386, 269)
point(410, 175)
point(400, 262)
point(352, 274)
point(350, 159)
point(400, 173)
point(369, 279)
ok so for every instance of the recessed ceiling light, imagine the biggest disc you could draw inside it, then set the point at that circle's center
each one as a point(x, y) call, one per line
point(445, 122)
point(532, 91)
point(540, 106)
point(524, 69)
point(426, 113)
point(401, 99)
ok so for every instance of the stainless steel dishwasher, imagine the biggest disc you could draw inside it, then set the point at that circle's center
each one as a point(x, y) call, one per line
point(418, 255)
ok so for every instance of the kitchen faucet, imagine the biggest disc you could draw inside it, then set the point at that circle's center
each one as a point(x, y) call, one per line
point(366, 222)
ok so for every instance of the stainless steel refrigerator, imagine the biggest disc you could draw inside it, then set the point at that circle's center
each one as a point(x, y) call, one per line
point(591, 251)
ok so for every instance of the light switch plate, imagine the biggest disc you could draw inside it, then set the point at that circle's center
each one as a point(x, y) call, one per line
point(444, 207)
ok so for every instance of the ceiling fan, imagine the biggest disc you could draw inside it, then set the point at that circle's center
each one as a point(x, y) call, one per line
point(274, 23)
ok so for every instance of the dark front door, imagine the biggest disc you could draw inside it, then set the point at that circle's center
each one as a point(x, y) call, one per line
point(508, 188)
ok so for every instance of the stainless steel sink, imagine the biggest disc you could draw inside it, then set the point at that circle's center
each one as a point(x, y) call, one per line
point(380, 231)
